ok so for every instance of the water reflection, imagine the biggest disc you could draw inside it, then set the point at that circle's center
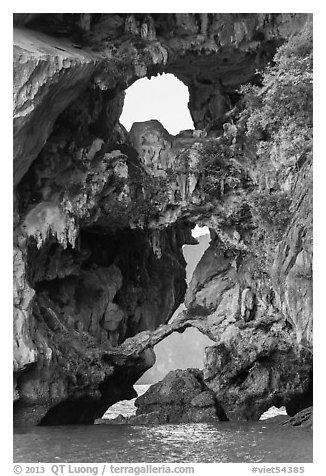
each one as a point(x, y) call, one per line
point(266, 442)
point(226, 442)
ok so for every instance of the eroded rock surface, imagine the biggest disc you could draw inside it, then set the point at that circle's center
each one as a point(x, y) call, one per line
point(49, 74)
point(181, 397)
point(259, 359)
point(302, 419)
point(101, 217)
point(263, 352)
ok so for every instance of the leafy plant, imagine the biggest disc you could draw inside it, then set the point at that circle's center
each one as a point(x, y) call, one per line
point(279, 114)
point(217, 170)
point(278, 123)
point(271, 212)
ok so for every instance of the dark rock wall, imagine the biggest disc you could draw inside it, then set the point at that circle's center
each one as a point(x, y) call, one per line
point(100, 216)
point(88, 301)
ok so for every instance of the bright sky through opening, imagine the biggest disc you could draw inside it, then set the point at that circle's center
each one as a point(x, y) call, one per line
point(199, 230)
point(164, 98)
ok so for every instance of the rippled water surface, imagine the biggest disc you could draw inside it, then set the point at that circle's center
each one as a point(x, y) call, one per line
point(264, 441)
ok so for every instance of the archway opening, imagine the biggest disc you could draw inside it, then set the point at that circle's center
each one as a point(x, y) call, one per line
point(178, 350)
point(192, 254)
point(200, 231)
point(273, 412)
point(164, 98)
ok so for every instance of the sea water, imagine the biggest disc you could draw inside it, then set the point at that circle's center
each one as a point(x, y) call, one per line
point(265, 441)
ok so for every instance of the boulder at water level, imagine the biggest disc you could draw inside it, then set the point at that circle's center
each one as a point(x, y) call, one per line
point(181, 397)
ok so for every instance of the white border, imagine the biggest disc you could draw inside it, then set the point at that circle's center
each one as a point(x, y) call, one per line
point(318, 8)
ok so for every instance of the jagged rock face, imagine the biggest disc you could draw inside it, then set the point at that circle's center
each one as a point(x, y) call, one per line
point(262, 324)
point(303, 419)
point(48, 75)
point(101, 216)
point(180, 397)
point(213, 54)
point(87, 302)
point(292, 266)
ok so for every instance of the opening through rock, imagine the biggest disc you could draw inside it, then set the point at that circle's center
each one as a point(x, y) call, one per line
point(273, 412)
point(181, 351)
point(164, 98)
point(178, 350)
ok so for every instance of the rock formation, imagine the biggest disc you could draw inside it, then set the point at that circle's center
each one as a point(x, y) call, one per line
point(100, 217)
point(181, 397)
point(302, 419)
point(258, 358)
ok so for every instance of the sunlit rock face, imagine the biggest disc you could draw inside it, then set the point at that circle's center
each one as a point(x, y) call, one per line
point(262, 324)
point(101, 217)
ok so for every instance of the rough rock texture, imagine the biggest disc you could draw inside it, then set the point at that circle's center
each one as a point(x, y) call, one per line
point(262, 323)
point(101, 215)
point(303, 419)
point(260, 358)
point(81, 314)
point(181, 397)
point(48, 75)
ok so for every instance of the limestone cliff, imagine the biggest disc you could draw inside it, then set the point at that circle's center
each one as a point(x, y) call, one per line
point(101, 216)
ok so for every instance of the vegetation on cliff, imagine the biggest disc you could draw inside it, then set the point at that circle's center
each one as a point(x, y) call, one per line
point(274, 131)
point(280, 112)
point(279, 123)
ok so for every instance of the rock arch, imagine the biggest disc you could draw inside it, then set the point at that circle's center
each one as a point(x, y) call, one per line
point(98, 236)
